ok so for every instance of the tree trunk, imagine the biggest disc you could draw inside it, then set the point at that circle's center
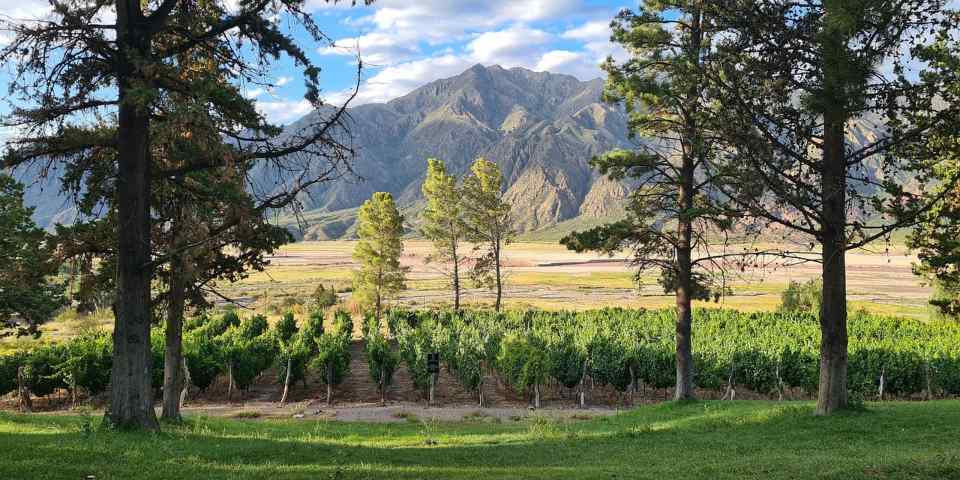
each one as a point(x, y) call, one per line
point(496, 253)
point(431, 400)
point(833, 311)
point(691, 151)
point(536, 395)
point(173, 352)
point(456, 279)
point(131, 392)
point(286, 381)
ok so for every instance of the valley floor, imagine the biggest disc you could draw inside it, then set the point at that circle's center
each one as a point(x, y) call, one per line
point(709, 440)
point(547, 275)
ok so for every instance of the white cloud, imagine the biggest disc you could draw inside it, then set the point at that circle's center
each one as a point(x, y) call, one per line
point(515, 46)
point(596, 31)
point(24, 9)
point(283, 111)
point(254, 93)
point(578, 64)
point(400, 79)
point(282, 81)
point(440, 20)
point(378, 48)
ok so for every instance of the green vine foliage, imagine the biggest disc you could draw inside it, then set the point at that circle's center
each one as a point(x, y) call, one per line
point(381, 356)
point(762, 352)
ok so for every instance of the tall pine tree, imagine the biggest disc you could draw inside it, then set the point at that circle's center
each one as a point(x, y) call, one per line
point(487, 218)
point(380, 231)
point(675, 204)
point(798, 79)
point(119, 59)
point(442, 222)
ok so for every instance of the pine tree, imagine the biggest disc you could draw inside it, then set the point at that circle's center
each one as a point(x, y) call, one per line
point(487, 220)
point(796, 79)
point(442, 222)
point(80, 67)
point(380, 230)
point(674, 205)
point(28, 295)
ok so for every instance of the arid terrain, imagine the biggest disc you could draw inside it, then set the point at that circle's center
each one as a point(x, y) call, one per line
point(547, 275)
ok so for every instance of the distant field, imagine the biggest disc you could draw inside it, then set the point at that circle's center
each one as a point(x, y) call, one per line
point(547, 275)
point(706, 440)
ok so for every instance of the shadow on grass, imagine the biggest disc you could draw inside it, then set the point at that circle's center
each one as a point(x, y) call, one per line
point(692, 440)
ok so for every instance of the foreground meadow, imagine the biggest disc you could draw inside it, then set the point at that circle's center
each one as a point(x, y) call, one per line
point(708, 440)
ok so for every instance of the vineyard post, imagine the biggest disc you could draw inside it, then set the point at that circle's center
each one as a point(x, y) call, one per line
point(731, 391)
point(23, 391)
point(330, 383)
point(186, 380)
point(286, 381)
point(883, 371)
point(583, 380)
point(229, 381)
point(779, 384)
point(383, 386)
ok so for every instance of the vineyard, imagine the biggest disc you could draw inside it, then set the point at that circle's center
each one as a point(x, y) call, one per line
point(529, 351)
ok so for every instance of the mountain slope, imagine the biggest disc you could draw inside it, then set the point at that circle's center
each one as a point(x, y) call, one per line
point(541, 128)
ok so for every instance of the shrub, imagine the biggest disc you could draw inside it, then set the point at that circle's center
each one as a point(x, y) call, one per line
point(39, 371)
point(523, 362)
point(87, 362)
point(324, 297)
point(802, 297)
point(381, 357)
point(204, 359)
point(9, 364)
point(332, 357)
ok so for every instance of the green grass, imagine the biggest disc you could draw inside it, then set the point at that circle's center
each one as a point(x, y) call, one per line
point(710, 440)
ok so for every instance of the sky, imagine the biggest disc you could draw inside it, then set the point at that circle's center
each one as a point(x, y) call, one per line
point(405, 44)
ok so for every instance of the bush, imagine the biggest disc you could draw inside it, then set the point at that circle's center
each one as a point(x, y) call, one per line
point(247, 351)
point(41, 376)
point(332, 356)
point(381, 357)
point(88, 361)
point(286, 328)
point(158, 341)
point(523, 362)
point(802, 297)
point(204, 359)
point(324, 297)
point(9, 364)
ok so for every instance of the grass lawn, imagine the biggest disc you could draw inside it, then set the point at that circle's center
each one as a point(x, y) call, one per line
point(708, 440)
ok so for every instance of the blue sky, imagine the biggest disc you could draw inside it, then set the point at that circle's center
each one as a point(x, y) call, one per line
point(407, 43)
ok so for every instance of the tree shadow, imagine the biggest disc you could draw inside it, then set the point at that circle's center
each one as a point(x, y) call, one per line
point(699, 440)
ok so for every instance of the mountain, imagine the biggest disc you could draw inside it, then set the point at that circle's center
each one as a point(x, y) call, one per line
point(541, 128)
